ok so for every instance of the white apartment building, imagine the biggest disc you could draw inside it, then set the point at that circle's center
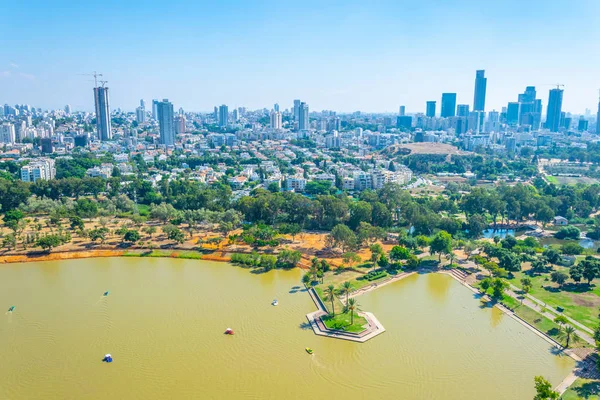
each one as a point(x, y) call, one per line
point(42, 168)
point(7, 133)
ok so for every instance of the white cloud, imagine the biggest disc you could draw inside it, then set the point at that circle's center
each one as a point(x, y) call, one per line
point(13, 65)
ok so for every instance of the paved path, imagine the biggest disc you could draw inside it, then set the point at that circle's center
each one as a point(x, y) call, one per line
point(377, 285)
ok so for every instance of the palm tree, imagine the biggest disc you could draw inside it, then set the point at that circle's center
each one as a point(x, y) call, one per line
point(352, 307)
point(569, 333)
point(330, 292)
point(346, 286)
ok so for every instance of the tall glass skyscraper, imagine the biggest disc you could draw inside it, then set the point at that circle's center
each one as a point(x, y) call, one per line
point(102, 113)
point(303, 122)
point(554, 109)
point(480, 87)
point(598, 119)
point(448, 105)
point(164, 109)
point(223, 115)
point(430, 111)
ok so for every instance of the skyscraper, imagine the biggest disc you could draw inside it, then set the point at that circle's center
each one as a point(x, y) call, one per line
point(462, 110)
point(276, 107)
point(223, 115)
point(155, 110)
point(530, 108)
point(142, 103)
point(303, 121)
point(102, 113)
point(430, 111)
point(480, 87)
point(297, 110)
point(448, 105)
point(598, 118)
point(402, 111)
point(140, 115)
point(164, 109)
point(512, 114)
point(68, 109)
point(554, 109)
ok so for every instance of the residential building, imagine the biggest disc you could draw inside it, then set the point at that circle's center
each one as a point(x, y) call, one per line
point(275, 119)
point(164, 111)
point(448, 105)
point(180, 124)
point(103, 125)
point(140, 115)
point(295, 183)
point(303, 122)
point(7, 133)
point(297, 110)
point(41, 168)
point(68, 109)
point(480, 89)
point(155, 110)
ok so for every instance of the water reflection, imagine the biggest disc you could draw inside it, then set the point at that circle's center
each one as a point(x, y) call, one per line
point(438, 288)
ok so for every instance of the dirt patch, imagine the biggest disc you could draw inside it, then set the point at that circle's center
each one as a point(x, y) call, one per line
point(585, 300)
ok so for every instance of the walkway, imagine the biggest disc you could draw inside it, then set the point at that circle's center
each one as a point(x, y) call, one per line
point(379, 284)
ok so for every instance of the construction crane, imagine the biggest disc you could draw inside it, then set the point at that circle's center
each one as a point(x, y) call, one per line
point(103, 83)
point(95, 75)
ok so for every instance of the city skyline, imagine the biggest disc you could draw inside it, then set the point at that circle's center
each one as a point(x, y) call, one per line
point(371, 59)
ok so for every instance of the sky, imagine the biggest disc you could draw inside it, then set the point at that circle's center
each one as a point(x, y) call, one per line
point(371, 56)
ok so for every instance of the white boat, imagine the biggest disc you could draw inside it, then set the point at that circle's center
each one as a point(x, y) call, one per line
point(275, 303)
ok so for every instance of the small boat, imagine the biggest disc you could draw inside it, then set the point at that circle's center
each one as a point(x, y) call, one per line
point(229, 331)
point(11, 309)
point(107, 358)
point(309, 350)
point(275, 303)
point(106, 293)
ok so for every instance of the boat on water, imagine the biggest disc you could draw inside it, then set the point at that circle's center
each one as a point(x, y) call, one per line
point(229, 331)
point(275, 303)
point(107, 358)
point(11, 309)
point(309, 350)
point(106, 293)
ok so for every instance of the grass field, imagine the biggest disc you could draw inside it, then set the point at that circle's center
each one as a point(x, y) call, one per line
point(579, 301)
point(342, 322)
point(552, 179)
point(185, 254)
point(583, 389)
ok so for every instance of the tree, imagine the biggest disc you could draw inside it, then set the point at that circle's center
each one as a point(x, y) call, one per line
point(86, 208)
point(539, 265)
point(561, 320)
point(314, 268)
point(551, 255)
point(346, 288)
point(571, 248)
point(352, 306)
point(98, 234)
point(399, 253)
point(576, 272)
point(568, 232)
point(412, 262)
point(350, 257)
point(441, 244)
point(485, 284)
point(476, 224)
point(559, 277)
point(526, 284)
point(131, 236)
point(499, 285)
point(49, 241)
point(330, 295)
point(174, 233)
point(9, 241)
point(590, 268)
point(149, 230)
point(77, 222)
point(163, 212)
point(288, 258)
point(568, 333)
point(544, 390)
point(343, 237)
point(306, 279)
point(361, 211)
point(509, 261)
point(376, 250)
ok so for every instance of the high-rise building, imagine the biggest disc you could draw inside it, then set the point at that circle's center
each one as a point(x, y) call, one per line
point(512, 114)
point(155, 109)
point(275, 119)
point(7, 133)
point(530, 108)
point(41, 168)
point(68, 109)
point(297, 110)
point(404, 121)
point(402, 111)
point(180, 123)
point(276, 107)
point(582, 126)
point(142, 103)
point(430, 111)
point(480, 88)
point(462, 110)
point(47, 146)
point(140, 115)
point(303, 121)
point(554, 109)
point(102, 113)
point(598, 119)
point(235, 115)
point(164, 109)
point(223, 115)
point(448, 105)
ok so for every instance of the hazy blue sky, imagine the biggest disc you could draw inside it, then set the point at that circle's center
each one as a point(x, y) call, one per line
point(340, 55)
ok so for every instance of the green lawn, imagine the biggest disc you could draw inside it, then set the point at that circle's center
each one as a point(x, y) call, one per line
point(342, 322)
point(552, 179)
point(578, 302)
point(186, 254)
point(542, 323)
point(583, 389)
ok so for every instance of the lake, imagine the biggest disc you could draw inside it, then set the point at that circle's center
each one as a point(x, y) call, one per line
point(164, 319)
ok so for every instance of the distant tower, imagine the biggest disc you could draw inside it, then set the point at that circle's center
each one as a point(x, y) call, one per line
point(303, 121)
point(554, 110)
point(598, 116)
point(276, 107)
point(402, 111)
point(68, 109)
point(164, 110)
point(448, 105)
point(480, 88)
point(275, 119)
point(223, 115)
point(462, 110)
point(430, 111)
point(155, 109)
point(102, 113)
